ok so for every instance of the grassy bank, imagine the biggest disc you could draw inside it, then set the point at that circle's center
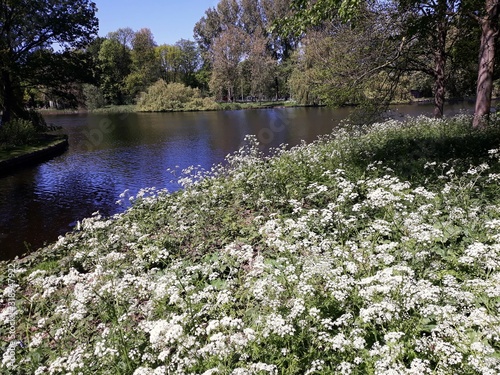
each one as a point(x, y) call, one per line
point(372, 251)
point(126, 108)
point(44, 141)
point(201, 107)
point(129, 108)
point(257, 105)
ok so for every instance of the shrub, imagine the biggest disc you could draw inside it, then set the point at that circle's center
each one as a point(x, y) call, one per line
point(165, 97)
point(94, 97)
point(36, 119)
point(17, 132)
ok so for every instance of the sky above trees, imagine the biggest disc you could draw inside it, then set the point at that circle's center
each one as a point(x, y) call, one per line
point(169, 20)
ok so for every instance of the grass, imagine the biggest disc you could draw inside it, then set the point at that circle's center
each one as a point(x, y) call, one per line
point(129, 108)
point(375, 250)
point(256, 105)
point(41, 143)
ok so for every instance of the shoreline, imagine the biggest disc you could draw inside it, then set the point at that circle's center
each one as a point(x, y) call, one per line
point(225, 106)
point(52, 145)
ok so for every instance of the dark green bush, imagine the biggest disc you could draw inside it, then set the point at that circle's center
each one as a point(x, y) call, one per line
point(165, 97)
point(94, 98)
point(17, 132)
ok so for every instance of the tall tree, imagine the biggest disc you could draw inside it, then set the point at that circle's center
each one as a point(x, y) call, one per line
point(229, 50)
point(262, 67)
point(281, 44)
point(206, 30)
point(340, 64)
point(190, 61)
point(252, 18)
point(145, 66)
point(489, 22)
point(28, 26)
point(114, 63)
point(169, 58)
point(424, 35)
point(124, 36)
point(435, 15)
point(430, 31)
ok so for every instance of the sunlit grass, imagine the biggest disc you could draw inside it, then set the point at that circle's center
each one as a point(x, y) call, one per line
point(256, 104)
point(128, 108)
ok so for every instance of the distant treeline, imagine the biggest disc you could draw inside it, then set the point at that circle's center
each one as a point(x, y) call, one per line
point(250, 50)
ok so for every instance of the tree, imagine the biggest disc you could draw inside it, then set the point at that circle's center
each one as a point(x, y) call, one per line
point(424, 33)
point(170, 60)
point(114, 65)
point(229, 50)
point(190, 61)
point(344, 64)
point(280, 44)
point(252, 19)
point(436, 16)
point(206, 30)
point(62, 84)
point(488, 21)
point(145, 66)
point(262, 66)
point(430, 29)
point(28, 26)
point(124, 36)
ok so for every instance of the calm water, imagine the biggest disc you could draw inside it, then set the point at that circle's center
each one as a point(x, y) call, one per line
point(111, 153)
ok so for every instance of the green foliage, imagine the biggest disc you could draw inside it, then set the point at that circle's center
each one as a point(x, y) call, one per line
point(162, 96)
point(345, 65)
point(244, 58)
point(145, 65)
point(115, 65)
point(94, 98)
point(170, 58)
point(29, 30)
point(17, 132)
point(36, 119)
point(307, 15)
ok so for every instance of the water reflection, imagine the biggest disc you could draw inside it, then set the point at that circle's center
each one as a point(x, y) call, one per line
point(109, 154)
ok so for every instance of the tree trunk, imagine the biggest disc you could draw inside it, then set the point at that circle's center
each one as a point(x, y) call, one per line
point(489, 35)
point(440, 61)
point(439, 84)
point(8, 97)
point(277, 86)
point(12, 97)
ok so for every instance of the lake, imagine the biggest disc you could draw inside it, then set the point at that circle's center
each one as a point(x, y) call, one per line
point(109, 154)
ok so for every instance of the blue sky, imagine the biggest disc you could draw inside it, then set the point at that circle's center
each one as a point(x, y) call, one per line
point(169, 20)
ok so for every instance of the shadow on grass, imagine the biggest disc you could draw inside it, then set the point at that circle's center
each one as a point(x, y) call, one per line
point(407, 156)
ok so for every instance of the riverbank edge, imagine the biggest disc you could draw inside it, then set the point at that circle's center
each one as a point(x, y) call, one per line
point(230, 106)
point(52, 146)
point(227, 106)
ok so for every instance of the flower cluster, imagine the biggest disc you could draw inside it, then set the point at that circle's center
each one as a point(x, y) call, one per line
point(292, 264)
